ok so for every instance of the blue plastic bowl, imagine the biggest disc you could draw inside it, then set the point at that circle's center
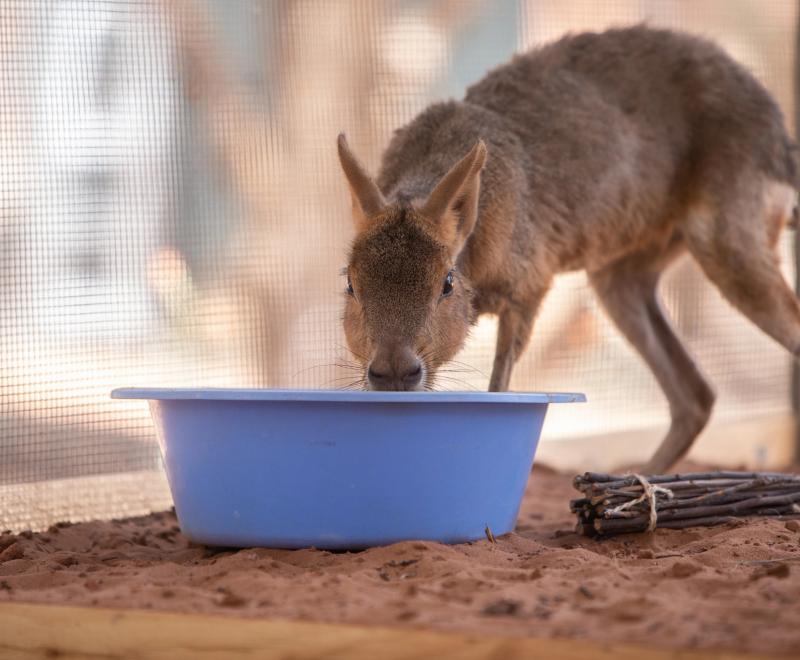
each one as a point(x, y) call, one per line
point(333, 469)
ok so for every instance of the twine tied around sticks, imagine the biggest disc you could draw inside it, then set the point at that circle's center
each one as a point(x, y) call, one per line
point(649, 494)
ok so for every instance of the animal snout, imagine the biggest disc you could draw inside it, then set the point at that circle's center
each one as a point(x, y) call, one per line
point(399, 371)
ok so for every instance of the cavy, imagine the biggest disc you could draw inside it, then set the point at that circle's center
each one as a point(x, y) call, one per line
point(613, 153)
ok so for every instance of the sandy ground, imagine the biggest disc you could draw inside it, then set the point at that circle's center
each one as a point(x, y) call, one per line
point(735, 587)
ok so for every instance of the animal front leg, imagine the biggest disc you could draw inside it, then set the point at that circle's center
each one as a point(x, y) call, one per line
point(628, 291)
point(513, 332)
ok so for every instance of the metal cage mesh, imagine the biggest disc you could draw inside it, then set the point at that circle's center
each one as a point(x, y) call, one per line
point(172, 213)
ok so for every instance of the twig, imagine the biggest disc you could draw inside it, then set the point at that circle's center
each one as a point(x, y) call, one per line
point(613, 504)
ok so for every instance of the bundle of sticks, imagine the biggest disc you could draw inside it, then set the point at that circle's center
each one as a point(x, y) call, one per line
point(614, 504)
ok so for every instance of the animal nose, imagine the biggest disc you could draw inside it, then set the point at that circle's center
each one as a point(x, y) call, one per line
point(414, 374)
point(401, 373)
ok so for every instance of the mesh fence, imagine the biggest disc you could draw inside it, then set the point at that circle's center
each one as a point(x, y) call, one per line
point(172, 214)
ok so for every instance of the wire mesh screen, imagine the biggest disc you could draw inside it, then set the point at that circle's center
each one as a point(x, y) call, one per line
point(172, 213)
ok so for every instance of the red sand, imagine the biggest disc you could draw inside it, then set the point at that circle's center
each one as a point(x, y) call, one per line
point(735, 587)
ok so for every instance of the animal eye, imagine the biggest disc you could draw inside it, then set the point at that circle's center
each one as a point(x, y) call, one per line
point(448, 285)
point(349, 288)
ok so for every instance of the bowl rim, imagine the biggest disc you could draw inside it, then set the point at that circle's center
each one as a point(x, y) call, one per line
point(303, 395)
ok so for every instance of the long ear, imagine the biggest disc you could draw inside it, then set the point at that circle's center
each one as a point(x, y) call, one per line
point(452, 207)
point(367, 198)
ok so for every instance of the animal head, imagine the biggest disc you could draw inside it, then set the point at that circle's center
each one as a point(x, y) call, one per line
point(408, 309)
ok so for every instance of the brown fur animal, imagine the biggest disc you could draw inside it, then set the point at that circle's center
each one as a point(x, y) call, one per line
point(610, 152)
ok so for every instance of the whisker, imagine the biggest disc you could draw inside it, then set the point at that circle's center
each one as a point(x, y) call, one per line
point(311, 368)
point(347, 378)
point(356, 355)
point(354, 385)
point(459, 386)
point(353, 367)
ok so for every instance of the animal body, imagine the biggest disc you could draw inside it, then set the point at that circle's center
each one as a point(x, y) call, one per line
point(613, 153)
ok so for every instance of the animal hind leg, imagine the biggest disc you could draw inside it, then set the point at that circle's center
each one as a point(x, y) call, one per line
point(628, 291)
point(735, 247)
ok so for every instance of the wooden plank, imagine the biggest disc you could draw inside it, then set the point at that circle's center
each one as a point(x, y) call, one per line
point(36, 505)
point(761, 443)
point(48, 631)
point(757, 443)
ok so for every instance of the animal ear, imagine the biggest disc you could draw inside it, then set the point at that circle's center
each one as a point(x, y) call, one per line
point(452, 207)
point(367, 198)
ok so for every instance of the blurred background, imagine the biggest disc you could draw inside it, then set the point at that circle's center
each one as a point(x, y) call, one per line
point(172, 213)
